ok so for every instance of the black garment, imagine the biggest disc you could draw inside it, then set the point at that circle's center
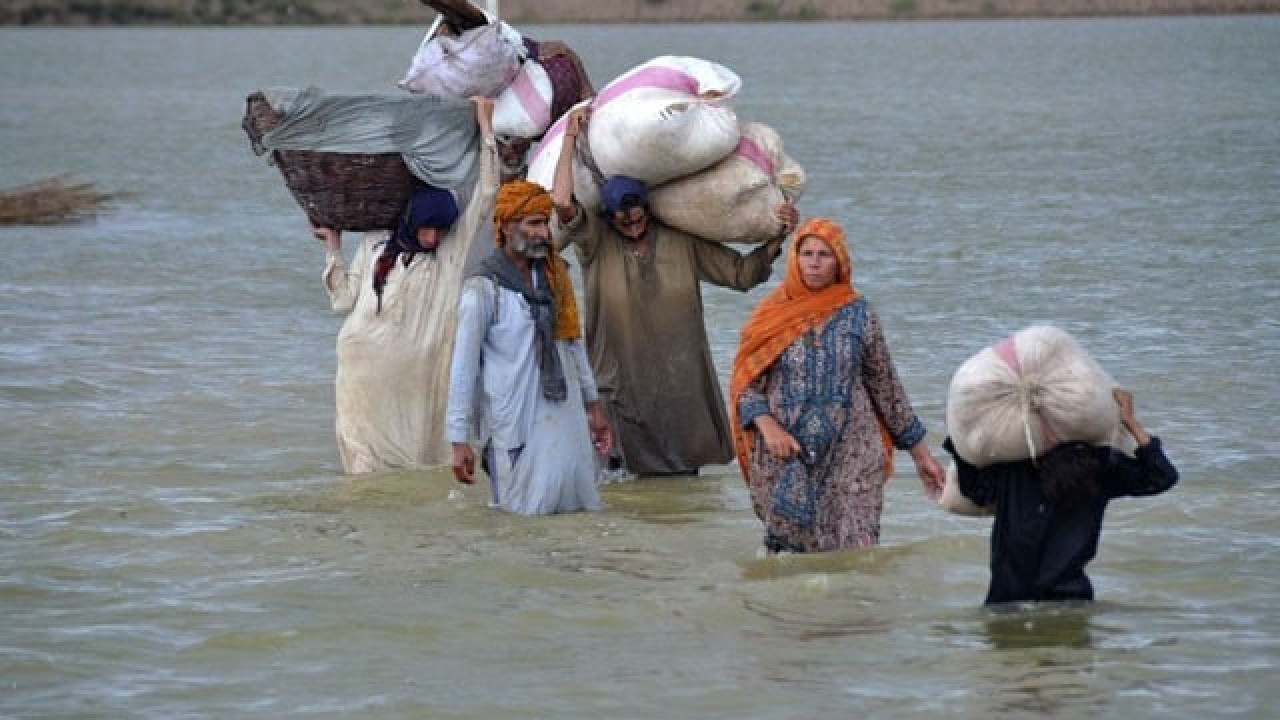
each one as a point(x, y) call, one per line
point(1039, 551)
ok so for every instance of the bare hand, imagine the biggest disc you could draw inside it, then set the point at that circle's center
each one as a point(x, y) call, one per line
point(1124, 399)
point(577, 121)
point(331, 238)
point(601, 433)
point(1129, 418)
point(789, 216)
point(464, 463)
point(777, 440)
point(932, 476)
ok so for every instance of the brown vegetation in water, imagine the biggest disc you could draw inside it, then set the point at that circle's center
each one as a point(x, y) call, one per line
point(52, 201)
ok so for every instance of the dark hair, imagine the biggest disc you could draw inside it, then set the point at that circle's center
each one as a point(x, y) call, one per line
point(1069, 474)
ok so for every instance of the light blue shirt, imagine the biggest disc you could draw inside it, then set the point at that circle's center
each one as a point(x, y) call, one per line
point(494, 381)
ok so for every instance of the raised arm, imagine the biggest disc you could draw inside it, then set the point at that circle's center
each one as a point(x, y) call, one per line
point(1124, 400)
point(342, 286)
point(562, 182)
point(1149, 472)
point(479, 207)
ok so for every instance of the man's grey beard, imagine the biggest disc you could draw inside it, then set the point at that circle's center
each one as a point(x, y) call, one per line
point(538, 252)
point(532, 248)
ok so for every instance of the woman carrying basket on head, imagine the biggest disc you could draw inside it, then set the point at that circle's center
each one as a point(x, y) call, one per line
point(400, 296)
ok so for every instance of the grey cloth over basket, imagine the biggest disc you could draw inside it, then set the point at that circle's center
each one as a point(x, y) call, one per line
point(436, 137)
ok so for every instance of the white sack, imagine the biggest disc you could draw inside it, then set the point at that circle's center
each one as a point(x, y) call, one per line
point(479, 61)
point(663, 119)
point(1019, 398)
point(735, 200)
point(954, 501)
point(523, 108)
point(542, 166)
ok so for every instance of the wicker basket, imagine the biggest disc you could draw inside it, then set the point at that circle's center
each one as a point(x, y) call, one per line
point(344, 191)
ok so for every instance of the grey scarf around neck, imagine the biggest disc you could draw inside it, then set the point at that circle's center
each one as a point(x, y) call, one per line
point(498, 267)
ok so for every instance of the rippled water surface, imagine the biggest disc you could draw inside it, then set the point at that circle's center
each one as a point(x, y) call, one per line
point(176, 539)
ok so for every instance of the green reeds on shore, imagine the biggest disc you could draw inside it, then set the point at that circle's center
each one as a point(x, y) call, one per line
point(53, 201)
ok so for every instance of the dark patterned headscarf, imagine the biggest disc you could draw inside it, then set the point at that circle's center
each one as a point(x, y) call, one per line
point(429, 206)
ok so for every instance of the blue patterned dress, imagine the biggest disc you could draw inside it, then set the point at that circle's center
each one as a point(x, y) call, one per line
point(826, 390)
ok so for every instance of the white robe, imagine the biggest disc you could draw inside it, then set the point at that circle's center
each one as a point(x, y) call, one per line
point(393, 365)
point(495, 396)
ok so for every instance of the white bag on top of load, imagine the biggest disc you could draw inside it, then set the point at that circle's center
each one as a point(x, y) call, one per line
point(523, 108)
point(735, 200)
point(665, 118)
point(479, 61)
point(1020, 397)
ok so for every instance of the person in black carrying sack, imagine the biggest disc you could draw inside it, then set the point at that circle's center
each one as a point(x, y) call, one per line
point(1049, 510)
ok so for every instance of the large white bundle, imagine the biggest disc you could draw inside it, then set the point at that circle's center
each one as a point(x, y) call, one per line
point(542, 165)
point(479, 61)
point(523, 108)
point(1020, 397)
point(666, 118)
point(737, 198)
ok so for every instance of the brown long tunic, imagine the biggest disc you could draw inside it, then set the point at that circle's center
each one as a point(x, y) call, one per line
point(648, 342)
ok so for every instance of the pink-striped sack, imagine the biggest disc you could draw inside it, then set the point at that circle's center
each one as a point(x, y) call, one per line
point(735, 200)
point(663, 119)
point(1019, 398)
point(523, 109)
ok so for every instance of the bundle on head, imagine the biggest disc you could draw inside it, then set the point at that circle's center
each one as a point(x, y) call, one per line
point(1022, 396)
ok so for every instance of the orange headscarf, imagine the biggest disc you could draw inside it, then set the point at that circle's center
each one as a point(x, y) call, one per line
point(521, 198)
point(790, 311)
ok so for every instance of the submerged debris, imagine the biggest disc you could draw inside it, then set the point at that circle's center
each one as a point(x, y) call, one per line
point(53, 201)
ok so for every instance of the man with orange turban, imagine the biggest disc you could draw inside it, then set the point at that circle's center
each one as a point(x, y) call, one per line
point(520, 384)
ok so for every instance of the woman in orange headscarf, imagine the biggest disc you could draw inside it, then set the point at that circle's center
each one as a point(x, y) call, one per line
point(817, 405)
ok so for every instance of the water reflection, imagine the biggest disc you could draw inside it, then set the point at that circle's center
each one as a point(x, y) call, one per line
point(1019, 627)
point(1042, 661)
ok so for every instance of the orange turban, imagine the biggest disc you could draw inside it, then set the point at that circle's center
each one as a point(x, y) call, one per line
point(790, 311)
point(520, 199)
